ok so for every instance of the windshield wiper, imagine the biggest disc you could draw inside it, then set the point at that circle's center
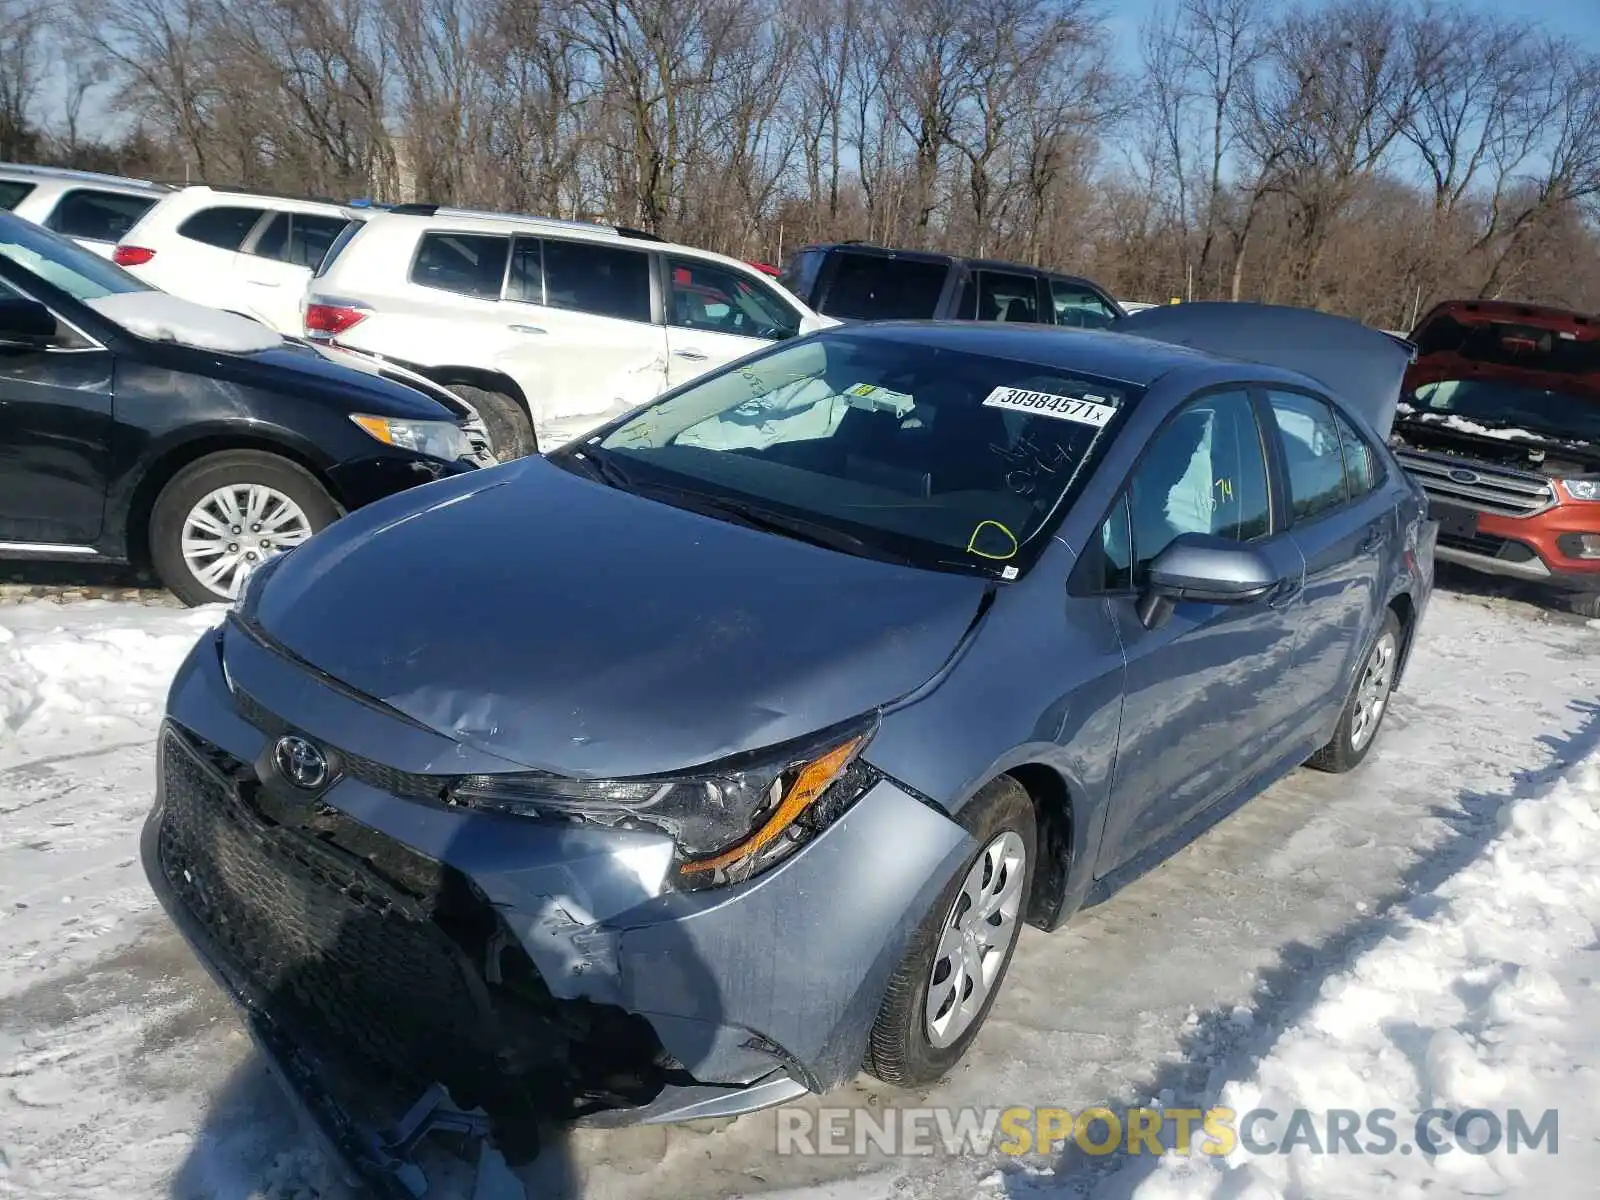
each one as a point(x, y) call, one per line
point(817, 533)
point(600, 466)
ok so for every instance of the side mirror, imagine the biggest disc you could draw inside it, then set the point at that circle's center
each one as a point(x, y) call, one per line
point(25, 324)
point(1206, 569)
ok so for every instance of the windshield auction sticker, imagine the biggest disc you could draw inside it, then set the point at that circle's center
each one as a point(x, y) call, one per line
point(1085, 410)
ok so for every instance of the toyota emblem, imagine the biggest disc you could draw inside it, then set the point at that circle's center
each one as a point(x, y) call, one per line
point(300, 762)
point(1462, 475)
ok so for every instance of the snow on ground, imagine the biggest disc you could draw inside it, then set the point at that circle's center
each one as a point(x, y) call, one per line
point(1376, 936)
point(1485, 994)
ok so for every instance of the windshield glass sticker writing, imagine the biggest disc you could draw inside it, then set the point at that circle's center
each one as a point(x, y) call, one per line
point(990, 539)
point(1086, 410)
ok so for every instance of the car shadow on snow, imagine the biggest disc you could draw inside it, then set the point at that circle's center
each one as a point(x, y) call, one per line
point(1222, 1044)
point(259, 1141)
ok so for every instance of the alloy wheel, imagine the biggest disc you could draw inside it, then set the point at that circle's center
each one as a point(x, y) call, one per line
point(234, 529)
point(976, 938)
point(1372, 693)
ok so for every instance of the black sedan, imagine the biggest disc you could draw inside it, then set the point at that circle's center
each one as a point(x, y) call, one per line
point(137, 427)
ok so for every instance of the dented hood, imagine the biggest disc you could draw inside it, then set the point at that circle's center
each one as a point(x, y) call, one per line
point(571, 627)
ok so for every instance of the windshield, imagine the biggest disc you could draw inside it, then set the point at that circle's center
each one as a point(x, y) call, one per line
point(82, 275)
point(1506, 405)
point(935, 456)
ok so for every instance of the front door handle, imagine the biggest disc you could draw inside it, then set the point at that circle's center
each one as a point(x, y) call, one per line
point(525, 328)
point(689, 355)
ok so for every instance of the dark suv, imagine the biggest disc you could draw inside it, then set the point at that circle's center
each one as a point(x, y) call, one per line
point(855, 282)
point(135, 426)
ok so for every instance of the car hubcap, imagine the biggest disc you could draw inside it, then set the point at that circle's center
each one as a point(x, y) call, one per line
point(1372, 693)
point(234, 529)
point(975, 939)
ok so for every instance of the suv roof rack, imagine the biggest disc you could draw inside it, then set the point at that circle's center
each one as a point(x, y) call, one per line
point(83, 176)
point(485, 214)
point(241, 190)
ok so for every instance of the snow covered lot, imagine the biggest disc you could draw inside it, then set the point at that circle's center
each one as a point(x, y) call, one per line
point(1387, 938)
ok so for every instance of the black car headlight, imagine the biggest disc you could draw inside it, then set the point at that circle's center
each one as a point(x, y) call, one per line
point(437, 439)
point(730, 821)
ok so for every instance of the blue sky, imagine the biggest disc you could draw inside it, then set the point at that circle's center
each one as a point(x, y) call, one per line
point(1579, 19)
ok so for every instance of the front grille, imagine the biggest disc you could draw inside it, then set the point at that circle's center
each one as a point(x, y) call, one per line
point(1493, 489)
point(379, 775)
point(346, 960)
point(1477, 543)
point(379, 958)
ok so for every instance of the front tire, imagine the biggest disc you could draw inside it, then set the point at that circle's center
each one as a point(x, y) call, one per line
point(1368, 703)
point(221, 516)
point(947, 981)
point(510, 431)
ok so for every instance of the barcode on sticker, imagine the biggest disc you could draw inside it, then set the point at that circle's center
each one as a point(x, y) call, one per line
point(1046, 404)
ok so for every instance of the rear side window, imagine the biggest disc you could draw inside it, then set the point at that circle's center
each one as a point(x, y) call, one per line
point(800, 277)
point(997, 296)
point(869, 288)
point(97, 216)
point(1360, 464)
point(1079, 307)
point(301, 239)
point(13, 193)
point(224, 227)
point(1311, 453)
point(603, 280)
point(339, 243)
point(469, 264)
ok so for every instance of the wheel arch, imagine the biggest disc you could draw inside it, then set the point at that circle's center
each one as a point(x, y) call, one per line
point(478, 377)
point(1404, 608)
point(1055, 813)
point(161, 469)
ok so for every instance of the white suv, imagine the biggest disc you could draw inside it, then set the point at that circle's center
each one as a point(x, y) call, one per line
point(93, 210)
point(250, 253)
point(546, 327)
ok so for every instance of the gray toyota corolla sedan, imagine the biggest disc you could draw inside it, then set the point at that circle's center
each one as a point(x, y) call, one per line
point(725, 751)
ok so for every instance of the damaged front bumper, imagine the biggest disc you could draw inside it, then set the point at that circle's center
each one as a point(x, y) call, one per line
point(519, 963)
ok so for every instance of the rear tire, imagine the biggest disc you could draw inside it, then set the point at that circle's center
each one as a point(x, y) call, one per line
point(200, 552)
point(510, 431)
point(912, 1043)
point(1367, 706)
point(1585, 604)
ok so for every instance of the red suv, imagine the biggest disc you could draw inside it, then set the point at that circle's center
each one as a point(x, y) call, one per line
point(1500, 423)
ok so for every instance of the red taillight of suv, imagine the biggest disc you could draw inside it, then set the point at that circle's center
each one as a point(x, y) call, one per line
point(330, 320)
point(132, 256)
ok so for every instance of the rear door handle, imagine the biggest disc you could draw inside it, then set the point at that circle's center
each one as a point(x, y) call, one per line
point(1376, 538)
point(264, 283)
point(525, 328)
point(690, 355)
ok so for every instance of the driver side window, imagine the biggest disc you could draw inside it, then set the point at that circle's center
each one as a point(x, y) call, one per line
point(721, 300)
point(1203, 472)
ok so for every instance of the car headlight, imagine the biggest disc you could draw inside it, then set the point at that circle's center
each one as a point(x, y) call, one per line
point(730, 821)
point(1582, 489)
point(439, 439)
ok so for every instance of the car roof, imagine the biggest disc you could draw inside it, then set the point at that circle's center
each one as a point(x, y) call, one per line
point(1136, 361)
point(468, 220)
point(939, 256)
point(62, 175)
